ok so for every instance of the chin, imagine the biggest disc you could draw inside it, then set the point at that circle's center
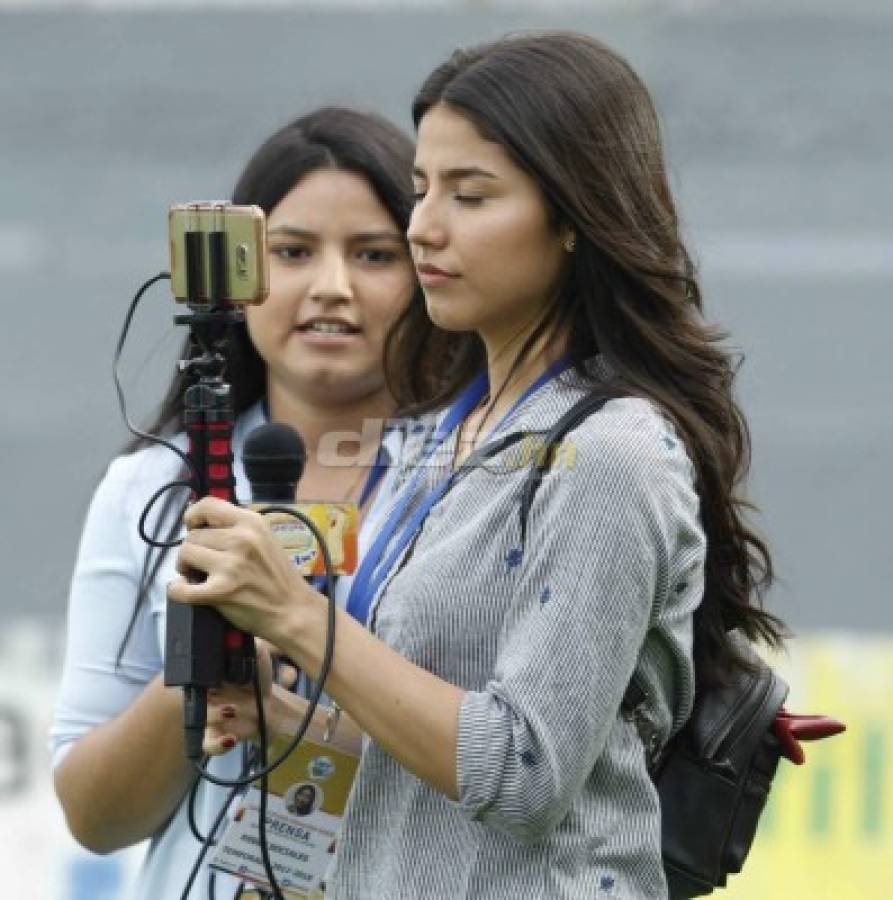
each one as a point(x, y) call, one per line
point(446, 315)
point(325, 375)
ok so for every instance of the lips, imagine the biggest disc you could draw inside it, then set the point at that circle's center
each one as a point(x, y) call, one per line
point(326, 325)
point(433, 277)
point(428, 269)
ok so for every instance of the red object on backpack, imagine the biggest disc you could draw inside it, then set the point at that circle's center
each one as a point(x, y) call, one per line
point(791, 728)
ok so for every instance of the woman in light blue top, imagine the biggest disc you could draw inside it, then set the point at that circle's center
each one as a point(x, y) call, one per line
point(336, 188)
point(490, 674)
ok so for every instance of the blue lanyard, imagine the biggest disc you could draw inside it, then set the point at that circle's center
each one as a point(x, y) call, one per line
point(373, 569)
point(376, 473)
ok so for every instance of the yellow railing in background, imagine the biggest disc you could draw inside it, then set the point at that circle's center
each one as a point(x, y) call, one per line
point(827, 833)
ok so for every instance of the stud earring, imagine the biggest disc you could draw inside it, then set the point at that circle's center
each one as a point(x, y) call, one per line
point(570, 242)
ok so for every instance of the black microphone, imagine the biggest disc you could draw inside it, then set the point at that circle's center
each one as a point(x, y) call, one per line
point(274, 458)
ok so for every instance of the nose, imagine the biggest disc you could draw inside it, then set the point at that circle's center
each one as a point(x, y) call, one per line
point(331, 278)
point(425, 229)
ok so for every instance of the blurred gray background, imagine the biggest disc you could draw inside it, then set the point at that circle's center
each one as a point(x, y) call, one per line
point(778, 127)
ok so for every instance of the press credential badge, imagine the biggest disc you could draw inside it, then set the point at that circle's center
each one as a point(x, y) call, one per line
point(305, 806)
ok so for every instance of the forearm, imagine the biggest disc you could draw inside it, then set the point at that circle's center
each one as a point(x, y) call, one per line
point(409, 712)
point(122, 781)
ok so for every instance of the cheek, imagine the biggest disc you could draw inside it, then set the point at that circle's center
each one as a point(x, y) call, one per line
point(506, 232)
point(509, 244)
point(278, 308)
point(263, 323)
point(253, 319)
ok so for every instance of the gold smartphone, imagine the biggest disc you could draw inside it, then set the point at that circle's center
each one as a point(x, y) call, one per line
point(238, 273)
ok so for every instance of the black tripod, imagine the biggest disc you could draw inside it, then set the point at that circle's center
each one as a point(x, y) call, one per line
point(202, 650)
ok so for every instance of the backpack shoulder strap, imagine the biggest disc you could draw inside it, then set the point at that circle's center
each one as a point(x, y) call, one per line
point(580, 411)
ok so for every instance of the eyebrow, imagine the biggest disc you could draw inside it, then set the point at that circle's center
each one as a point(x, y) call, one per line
point(361, 236)
point(456, 173)
point(364, 236)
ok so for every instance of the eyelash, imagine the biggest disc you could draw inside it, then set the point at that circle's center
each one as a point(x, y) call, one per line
point(385, 256)
point(296, 253)
point(464, 199)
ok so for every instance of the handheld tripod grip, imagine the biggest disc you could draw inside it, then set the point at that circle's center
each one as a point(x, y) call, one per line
point(202, 649)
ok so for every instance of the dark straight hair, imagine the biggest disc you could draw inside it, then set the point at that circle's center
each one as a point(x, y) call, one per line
point(330, 138)
point(573, 114)
point(334, 138)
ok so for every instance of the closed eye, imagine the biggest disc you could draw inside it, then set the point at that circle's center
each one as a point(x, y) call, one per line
point(464, 199)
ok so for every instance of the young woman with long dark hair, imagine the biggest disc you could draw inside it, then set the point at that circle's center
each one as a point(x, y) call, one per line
point(488, 667)
point(336, 190)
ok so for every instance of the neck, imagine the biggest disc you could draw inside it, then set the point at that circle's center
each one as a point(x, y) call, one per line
point(351, 427)
point(509, 385)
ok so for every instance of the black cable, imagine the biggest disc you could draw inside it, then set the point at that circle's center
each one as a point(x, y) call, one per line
point(136, 432)
point(247, 762)
point(209, 841)
point(265, 769)
point(141, 525)
point(190, 811)
point(319, 683)
point(330, 582)
point(190, 806)
point(206, 846)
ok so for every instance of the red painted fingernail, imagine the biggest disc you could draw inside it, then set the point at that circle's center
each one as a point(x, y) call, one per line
point(228, 712)
point(228, 743)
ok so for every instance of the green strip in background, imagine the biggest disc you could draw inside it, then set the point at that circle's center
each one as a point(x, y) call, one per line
point(873, 774)
point(769, 820)
point(820, 802)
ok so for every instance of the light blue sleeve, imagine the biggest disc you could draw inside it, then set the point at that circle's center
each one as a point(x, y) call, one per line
point(95, 687)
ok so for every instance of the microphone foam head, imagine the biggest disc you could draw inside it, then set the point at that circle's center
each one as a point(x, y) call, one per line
point(274, 454)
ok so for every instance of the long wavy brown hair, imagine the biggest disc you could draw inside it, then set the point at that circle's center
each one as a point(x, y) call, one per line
point(576, 117)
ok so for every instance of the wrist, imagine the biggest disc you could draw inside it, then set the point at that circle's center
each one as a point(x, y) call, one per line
point(282, 626)
point(300, 629)
point(281, 716)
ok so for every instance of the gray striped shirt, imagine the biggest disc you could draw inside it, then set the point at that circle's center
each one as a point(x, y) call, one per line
point(555, 799)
